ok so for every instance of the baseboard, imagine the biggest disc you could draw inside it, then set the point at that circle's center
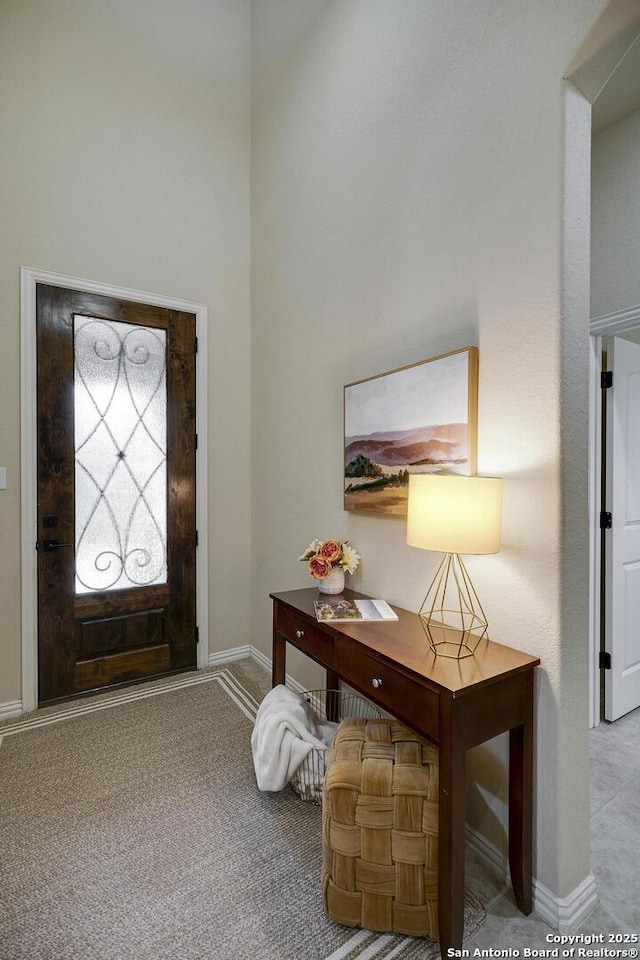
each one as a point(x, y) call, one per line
point(228, 656)
point(564, 914)
point(261, 658)
point(241, 653)
point(11, 709)
point(493, 858)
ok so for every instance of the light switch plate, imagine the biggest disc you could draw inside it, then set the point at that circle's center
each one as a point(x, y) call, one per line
point(3, 478)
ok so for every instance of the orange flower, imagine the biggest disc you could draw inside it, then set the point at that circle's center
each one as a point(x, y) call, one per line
point(319, 567)
point(330, 550)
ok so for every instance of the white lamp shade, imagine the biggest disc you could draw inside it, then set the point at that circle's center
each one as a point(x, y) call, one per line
point(454, 514)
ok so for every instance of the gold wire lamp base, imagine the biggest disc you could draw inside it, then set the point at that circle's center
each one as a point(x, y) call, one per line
point(451, 613)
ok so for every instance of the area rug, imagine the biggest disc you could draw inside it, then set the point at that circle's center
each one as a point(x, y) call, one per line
point(131, 828)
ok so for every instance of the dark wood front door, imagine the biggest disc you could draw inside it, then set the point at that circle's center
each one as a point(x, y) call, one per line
point(116, 492)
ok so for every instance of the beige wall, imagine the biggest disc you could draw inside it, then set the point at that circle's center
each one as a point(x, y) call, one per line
point(125, 151)
point(409, 199)
point(615, 228)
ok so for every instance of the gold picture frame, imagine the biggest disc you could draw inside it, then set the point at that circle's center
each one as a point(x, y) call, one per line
point(422, 418)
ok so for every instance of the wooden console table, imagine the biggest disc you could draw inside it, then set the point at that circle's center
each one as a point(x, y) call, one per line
point(457, 704)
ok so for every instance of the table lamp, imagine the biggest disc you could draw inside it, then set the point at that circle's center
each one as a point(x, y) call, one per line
point(453, 515)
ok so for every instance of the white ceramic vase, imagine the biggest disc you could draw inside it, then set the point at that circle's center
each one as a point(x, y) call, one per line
point(334, 583)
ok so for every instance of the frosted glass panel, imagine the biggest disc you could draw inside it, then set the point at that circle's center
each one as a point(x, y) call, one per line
point(120, 395)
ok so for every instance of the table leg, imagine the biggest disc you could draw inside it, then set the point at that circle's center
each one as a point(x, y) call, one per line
point(279, 659)
point(333, 701)
point(451, 840)
point(521, 813)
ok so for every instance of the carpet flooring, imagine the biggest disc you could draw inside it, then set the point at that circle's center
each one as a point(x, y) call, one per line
point(131, 828)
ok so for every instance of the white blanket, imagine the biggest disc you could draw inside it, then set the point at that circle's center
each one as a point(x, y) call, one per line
point(284, 733)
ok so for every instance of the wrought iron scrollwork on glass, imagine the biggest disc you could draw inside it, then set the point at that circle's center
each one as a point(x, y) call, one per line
point(120, 408)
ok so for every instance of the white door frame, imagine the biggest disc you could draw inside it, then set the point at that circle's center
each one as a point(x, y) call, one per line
point(606, 326)
point(29, 277)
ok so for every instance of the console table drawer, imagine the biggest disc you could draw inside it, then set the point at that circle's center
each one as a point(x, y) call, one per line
point(316, 643)
point(406, 699)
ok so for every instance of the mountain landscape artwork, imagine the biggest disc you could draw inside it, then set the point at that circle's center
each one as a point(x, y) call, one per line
point(418, 419)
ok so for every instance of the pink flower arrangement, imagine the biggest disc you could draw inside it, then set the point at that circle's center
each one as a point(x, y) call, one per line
point(322, 556)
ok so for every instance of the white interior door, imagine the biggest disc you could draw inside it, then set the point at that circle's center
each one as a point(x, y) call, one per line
point(622, 565)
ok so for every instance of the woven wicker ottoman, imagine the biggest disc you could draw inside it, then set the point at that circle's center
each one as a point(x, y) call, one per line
point(380, 829)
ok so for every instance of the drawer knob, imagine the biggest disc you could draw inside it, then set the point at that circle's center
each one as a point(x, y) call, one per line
point(299, 634)
point(376, 682)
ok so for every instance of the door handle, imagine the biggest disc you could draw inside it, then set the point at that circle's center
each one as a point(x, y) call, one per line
point(49, 545)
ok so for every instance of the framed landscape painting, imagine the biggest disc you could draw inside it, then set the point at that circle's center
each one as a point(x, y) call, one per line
point(418, 419)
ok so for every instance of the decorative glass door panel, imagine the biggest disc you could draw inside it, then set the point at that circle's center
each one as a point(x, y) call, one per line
point(116, 491)
point(120, 417)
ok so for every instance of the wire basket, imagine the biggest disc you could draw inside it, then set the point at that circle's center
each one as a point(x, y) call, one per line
point(308, 780)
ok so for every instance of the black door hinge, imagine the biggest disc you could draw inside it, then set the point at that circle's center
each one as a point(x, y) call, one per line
point(197, 539)
point(604, 661)
point(606, 521)
point(196, 441)
point(606, 379)
point(197, 635)
point(196, 345)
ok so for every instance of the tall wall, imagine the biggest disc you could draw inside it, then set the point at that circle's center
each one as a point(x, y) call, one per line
point(408, 199)
point(615, 224)
point(125, 154)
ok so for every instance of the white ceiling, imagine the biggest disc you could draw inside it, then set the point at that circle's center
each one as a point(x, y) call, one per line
point(621, 95)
